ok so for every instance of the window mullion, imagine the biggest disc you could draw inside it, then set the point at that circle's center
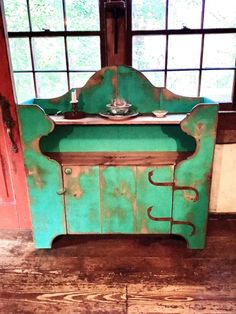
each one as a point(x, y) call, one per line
point(167, 43)
point(202, 49)
point(31, 50)
point(65, 44)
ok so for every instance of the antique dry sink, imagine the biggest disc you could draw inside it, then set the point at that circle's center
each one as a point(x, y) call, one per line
point(92, 171)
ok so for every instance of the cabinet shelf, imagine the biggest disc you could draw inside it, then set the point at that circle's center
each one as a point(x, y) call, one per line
point(98, 120)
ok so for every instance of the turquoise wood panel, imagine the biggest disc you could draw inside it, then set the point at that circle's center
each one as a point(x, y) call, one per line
point(124, 82)
point(176, 104)
point(82, 199)
point(154, 200)
point(99, 91)
point(118, 194)
point(43, 177)
point(137, 90)
point(190, 208)
point(52, 106)
point(117, 138)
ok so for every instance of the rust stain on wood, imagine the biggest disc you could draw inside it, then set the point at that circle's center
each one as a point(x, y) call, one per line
point(97, 78)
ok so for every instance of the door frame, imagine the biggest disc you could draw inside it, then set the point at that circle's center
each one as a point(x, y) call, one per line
point(14, 209)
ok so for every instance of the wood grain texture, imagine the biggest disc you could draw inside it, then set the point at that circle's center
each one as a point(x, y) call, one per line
point(119, 274)
point(118, 158)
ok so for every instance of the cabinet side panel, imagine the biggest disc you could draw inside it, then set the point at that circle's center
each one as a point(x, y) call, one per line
point(43, 178)
point(193, 178)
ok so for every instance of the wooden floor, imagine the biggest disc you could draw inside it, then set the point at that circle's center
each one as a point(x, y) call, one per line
point(119, 274)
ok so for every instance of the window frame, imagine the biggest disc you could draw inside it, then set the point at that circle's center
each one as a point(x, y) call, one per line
point(107, 37)
point(185, 31)
point(62, 34)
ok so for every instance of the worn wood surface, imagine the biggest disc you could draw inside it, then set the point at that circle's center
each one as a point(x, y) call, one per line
point(97, 120)
point(43, 178)
point(226, 130)
point(119, 274)
point(119, 158)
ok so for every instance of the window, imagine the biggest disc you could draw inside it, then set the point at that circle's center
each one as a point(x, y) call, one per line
point(37, 27)
point(189, 46)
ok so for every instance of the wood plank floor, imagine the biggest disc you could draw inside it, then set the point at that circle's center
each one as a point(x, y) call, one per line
point(119, 274)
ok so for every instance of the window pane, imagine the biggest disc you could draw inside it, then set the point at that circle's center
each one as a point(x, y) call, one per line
point(156, 78)
point(183, 82)
point(46, 14)
point(79, 79)
point(148, 14)
point(51, 85)
point(20, 54)
point(149, 52)
point(217, 85)
point(184, 51)
point(16, 15)
point(219, 50)
point(82, 15)
point(219, 14)
point(24, 85)
point(49, 53)
point(184, 13)
point(84, 53)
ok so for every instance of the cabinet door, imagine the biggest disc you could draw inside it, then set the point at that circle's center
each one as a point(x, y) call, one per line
point(118, 199)
point(82, 199)
point(154, 198)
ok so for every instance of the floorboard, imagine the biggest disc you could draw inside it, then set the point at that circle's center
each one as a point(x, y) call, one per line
point(120, 274)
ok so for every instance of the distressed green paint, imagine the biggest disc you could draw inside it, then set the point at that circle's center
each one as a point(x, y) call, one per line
point(82, 199)
point(52, 106)
point(95, 95)
point(124, 82)
point(177, 104)
point(117, 138)
point(116, 199)
point(43, 177)
point(157, 197)
point(196, 172)
point(137, 90)
point(118, 193)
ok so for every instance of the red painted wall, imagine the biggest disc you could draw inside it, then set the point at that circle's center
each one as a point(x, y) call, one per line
point(14, 203)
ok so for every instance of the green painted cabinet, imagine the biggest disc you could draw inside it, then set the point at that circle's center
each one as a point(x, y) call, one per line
point(118, 199)
point(136, 176)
